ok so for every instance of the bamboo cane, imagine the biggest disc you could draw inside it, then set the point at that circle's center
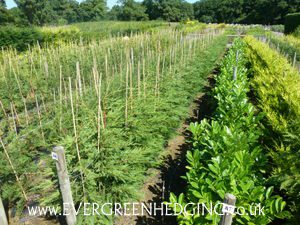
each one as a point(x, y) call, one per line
point(16, 114)
point(76, 137)
point(40, 118)
point(99, 112)
point(79, 79)
point(13, 169)
point(13, 118)
point(43, 102)
point(131, 85)
point(126, 95)
point(46, 67)
point(26, 112)
point(139, 79)
point(2, 107)
point(106, 70)
point(60, 96)
point(157, 77)
point(144, 77)
point(18, 82)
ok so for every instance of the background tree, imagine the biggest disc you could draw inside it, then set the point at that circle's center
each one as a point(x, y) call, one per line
point(4, 14)
point(153, 9)
point(40, 12)
point(92, 10)
point(114, 13)
point(270, 11)
point(37, 12)
point(241, 11)
point(170, 10)
point(17, 17)
point(132, 10)
point(176, 10)
point(2, 4)
point(66, 10)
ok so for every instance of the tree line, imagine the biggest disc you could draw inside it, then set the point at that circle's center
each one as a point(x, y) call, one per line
point(41, 12)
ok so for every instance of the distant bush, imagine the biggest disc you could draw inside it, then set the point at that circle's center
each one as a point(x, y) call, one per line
point(256, 30)
point(221, 25)
point(277, 28)
point(60, 34)
point(19, 38)
point(287, 44)
point(292, 21)
point(191, 26)
point(297, 32)
point(22, 37)
point(107, 29)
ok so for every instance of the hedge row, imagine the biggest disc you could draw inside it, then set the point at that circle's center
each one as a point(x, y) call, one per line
point(288, 45)
point(22, 37)
point(292, 21)
point(277, 89)
point(19, 38)
point(226, 155)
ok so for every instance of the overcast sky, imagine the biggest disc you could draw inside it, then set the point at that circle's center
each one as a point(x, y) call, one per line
point(110, 3)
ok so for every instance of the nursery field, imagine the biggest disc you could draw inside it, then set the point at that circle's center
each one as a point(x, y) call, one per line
point(110, 104)
point(112, 97)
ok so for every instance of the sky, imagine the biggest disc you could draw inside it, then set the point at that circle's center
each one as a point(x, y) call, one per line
point(110, 3)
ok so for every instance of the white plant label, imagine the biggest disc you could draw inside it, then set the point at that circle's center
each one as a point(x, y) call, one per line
point(228, 208)
point(54, 156)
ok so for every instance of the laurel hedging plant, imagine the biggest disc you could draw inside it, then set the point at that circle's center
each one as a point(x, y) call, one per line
point(226, 155)
point(115, 103)
point(277, 89)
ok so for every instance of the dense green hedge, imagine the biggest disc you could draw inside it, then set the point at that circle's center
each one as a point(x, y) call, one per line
point(292, 21)
point(22, 37)
point(286, 46)
point(276, 86)
point(106, 29)
point(277, 28)
point(226, 155)
point(19, 38)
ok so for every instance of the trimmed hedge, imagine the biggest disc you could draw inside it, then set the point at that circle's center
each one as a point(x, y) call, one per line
point(277, 28)
point(288, 44)
point(292, 21)
point(226, 155)
point(19, 38)
point(22, 37)
point(276, 86)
